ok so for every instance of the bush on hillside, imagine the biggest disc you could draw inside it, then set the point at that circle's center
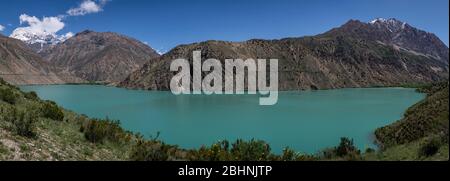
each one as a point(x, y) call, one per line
point(151, 150)
point(21, 122)
point(253, 150)
point(25, 125)
point(31, 95)
point(370, 150)
point(288, 155)
point(345, 150)
point(430, 147)
point(52, 111)
point(3, 82)
point(96, 131)
point(8, 95)
point(216, 152)
point(346, 147)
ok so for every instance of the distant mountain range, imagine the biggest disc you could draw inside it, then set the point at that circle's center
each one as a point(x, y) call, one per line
point(357, 54)
point(383, 52)
point(86, 57)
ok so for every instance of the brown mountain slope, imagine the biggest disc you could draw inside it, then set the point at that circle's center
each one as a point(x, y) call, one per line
point(394, 32)
point(20, 65)
point(95, 56)
point(335, 59)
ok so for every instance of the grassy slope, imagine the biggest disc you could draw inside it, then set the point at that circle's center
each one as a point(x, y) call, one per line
point(407, 152)
point(55, 140)
point(423, 121)
point(63, 140)
point(428, 117)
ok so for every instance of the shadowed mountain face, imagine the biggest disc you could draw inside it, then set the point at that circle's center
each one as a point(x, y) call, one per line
point(354, 55)
point(19, 64)
point(94, 56)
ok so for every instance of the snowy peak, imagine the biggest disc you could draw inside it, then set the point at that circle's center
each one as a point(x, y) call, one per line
point(382, 20)
point(38, 41)
point(397, 33)
point(391, 24)
point(32, 38)
point(403, 35)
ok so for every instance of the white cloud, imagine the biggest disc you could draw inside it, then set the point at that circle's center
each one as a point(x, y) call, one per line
point(35, 30)
point(38, 30)
point(2, 28)
point(66, 36)
point(87, 7)
point(46, 25)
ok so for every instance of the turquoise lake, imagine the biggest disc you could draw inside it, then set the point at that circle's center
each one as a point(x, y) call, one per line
point(306, 121)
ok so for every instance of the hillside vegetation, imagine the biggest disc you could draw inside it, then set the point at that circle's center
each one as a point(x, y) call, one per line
point(423, 131)
point(426, 118)
point(35, 129)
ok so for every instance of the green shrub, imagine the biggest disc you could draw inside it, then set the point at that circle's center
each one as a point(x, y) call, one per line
point(52, 111)
point(9, 114)
point(345, 150)
point(430, 147)
point(216, 152)
point(25, 125)
point(31, 95)
point(150, 151)
point(94, 131)
point(97, 131)
point(346, 147)
point(21, 122)
point(328, 153)
point(254, 150)
point(288, 155)
point(8, 96)
point(291, 155)
point(370, 150)
point(3, 82)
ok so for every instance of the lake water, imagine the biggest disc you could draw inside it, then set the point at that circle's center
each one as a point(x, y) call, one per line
point(306, 121)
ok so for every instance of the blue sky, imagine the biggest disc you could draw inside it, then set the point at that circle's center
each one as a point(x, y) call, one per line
point(163, 24)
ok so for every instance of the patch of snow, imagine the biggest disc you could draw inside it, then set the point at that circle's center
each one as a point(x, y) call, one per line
point(31, 37)
point(391, 24)
point(377, 20)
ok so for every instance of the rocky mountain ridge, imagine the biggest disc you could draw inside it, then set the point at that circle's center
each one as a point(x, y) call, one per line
point(357, 54)
point(99, 56)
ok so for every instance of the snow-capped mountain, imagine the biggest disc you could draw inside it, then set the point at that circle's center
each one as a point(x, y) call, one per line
point(391, 24)
point(39, 41)
point(410, 38)
point(398, 34)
